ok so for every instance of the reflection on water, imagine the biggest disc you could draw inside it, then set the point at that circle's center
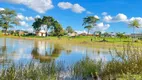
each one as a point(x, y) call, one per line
point(20, 50)
point(41, 52)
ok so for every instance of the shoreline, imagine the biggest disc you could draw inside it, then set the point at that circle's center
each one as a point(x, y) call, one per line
point(78, 41)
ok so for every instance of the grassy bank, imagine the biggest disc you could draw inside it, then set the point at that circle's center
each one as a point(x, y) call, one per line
point(125, 65)
point(89, 41)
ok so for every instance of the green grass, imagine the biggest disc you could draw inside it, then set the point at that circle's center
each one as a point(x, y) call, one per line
point(83, 41)
point(0, 34)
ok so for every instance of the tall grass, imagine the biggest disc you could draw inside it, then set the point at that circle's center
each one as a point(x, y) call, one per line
point(31, 71)
point(125, 65)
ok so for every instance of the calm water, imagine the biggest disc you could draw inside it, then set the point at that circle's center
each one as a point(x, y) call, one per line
point(20, 50)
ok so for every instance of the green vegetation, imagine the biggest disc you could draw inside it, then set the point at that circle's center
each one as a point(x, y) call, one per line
point(51, 24)
point(125, 65)
point(89, 22)
point(134, 24)
point(7, 19)
point(69, 29)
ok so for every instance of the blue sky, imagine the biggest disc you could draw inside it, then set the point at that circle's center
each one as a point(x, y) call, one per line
point(114, 15)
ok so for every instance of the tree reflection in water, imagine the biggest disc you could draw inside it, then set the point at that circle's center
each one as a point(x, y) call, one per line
point(47, 54)
point(3, 53)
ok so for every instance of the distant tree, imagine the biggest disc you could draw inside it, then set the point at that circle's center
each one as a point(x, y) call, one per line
point(37, 24)
point(48, 21)
point(99, 33)
point(89, 27)
point(8, 19)
point(53, 25)
point(134, 24)
point(90, 21)
point(106, 34)
point(69, 29)
point(58, 30)
point(120, 35)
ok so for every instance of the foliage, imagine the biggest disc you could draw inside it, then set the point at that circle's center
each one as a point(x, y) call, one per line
point(37, 24)
point(8, 19)
point(87, 68)
point(58, 30)
point(134, 23)
point(69, 29)
point(120, 35)
point(89, 27)
point(48, 21)
point(90, 21)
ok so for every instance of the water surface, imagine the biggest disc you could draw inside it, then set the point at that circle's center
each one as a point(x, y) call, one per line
point(40, 51)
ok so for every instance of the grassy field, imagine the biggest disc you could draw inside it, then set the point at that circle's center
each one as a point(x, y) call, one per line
point(89, 41)
point(84, 41)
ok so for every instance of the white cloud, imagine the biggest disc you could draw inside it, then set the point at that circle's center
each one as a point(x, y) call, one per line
point(100, 27)
point(22, 9)
point(118, 18)
point(97, 17)
point(121, 17)
point(107, 18)
point(1, 9)
point(64, 5)
point(77, 8)
point(104, 13)
point(21, 17)
point(40, 6)
point(88, 12)
point(29, 18)
point(79, 32)
point(37, 16)
point(23, 23)
point(74, 7)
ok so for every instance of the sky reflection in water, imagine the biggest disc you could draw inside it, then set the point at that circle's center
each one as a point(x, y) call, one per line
point(20, 50)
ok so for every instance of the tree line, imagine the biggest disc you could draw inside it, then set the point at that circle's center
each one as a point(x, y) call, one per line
point(8, 20)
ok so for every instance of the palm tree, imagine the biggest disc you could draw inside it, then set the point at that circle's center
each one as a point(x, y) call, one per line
point(90, 21)
point(134, 24)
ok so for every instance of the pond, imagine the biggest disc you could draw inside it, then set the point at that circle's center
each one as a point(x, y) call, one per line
point(41, 51)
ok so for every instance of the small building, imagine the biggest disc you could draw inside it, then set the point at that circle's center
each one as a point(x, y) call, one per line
point(41, 33)
point(138, 35)
point(21, 33)
point(82, 34)
point(72, 34)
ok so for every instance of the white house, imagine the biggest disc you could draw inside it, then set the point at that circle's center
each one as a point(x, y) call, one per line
point(72, 34)
point(41, 33)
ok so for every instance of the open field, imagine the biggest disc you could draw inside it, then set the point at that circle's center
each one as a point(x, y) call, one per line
point(84, 40)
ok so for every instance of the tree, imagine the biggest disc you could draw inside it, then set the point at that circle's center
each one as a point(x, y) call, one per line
point(69, 29)
point(8, 19)
point(48, 21)
point(58, 30)
point(37, 24)
point(120, 35)
point(90, 21)
point(134, 24)
point(89, 27)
